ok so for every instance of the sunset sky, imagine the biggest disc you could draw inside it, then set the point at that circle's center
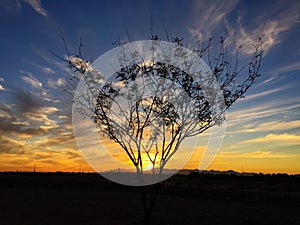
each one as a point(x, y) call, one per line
point(263, 130)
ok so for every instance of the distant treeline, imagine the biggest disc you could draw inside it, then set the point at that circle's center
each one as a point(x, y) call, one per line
point(94, 180)
point(274, 177)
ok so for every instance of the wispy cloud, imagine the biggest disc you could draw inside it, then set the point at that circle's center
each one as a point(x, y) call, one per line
point(278, 18)
point(269, 126)
point(9, 145)
point(37, 87)
point(255, 154)
point(1, 88)
point(31, 80)
point(5, 111)
point(290, 138)
point(264, 93)
point(278, 116)
point(41, 118)
point(264, 110)
point(294, 66)
point(268, 31)
point(271, 25)
point(268, 80)
point(19, 124)
point(38, 7)
point(48, 70)
point(56, 83)
point(208, 16)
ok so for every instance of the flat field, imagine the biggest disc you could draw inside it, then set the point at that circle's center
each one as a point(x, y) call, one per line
point(195, 199)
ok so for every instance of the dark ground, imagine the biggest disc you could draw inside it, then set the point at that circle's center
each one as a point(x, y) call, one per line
point(195, 199)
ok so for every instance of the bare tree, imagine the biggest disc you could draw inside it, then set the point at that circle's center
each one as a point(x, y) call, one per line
point(150, 105)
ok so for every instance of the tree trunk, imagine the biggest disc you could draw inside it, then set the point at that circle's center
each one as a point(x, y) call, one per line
point(149, 196)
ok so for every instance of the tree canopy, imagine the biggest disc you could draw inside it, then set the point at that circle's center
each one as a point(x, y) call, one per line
point(159, 96)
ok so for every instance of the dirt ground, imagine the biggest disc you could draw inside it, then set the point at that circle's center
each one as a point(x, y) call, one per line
point(29, 203)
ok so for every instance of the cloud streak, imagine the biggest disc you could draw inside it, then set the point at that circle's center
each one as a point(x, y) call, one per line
point(264, 93)
point(263, 111)
point(47, 70)
point(255, 155)
point(38, 7)
point(269, 126)
point(290, 138)
point(295, 66)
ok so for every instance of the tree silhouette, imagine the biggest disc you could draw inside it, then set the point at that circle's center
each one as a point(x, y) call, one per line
point(150, 105)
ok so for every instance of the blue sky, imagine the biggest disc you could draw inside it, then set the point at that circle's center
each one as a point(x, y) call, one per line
point(263, 130)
